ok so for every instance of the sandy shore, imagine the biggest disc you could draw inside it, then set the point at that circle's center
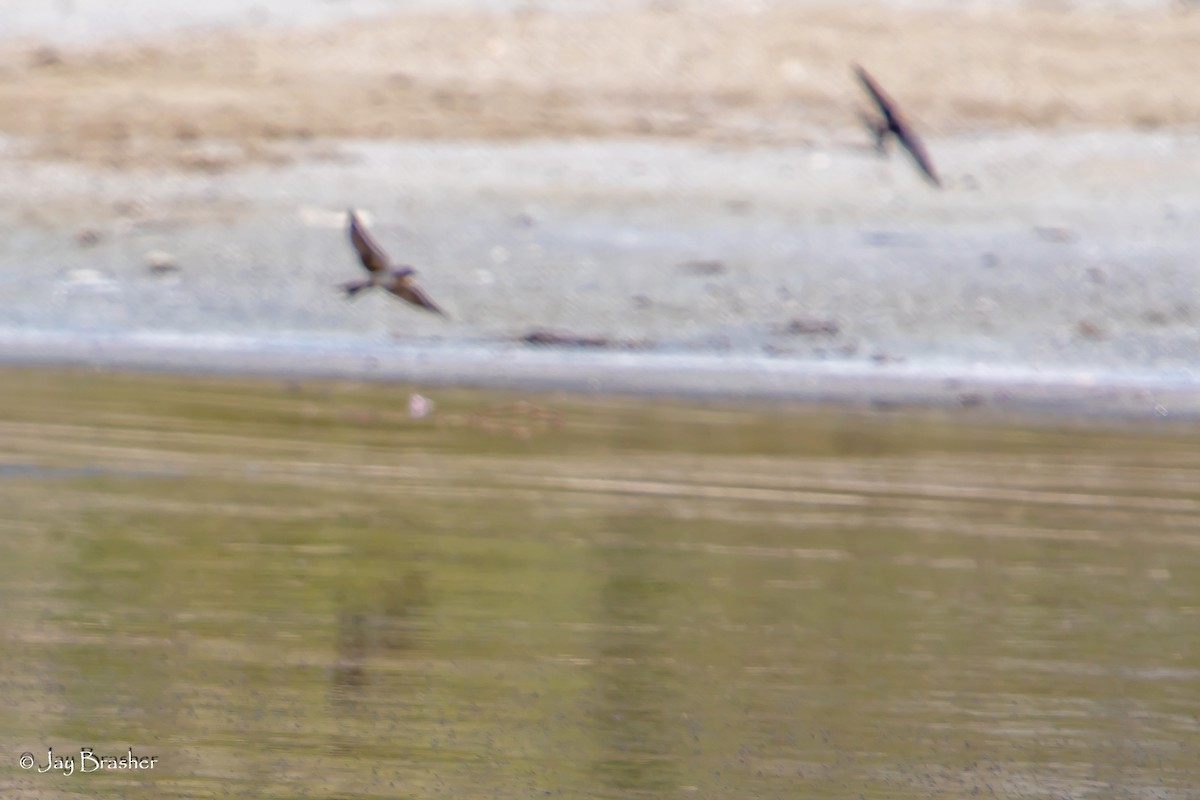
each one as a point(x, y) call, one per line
point(679, 184)
point(748, 78)
point(804, 272)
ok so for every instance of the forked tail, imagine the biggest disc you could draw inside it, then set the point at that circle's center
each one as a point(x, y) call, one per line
point(354, 287)
point(879, 130)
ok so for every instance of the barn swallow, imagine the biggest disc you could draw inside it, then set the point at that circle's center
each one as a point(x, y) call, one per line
point(893, 122)
point(394, 278)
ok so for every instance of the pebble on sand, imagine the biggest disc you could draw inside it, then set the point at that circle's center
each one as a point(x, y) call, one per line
point(160, 262)
point(88, 237)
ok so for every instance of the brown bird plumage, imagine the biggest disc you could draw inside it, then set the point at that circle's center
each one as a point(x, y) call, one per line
point(893, 122)
point(394, 278)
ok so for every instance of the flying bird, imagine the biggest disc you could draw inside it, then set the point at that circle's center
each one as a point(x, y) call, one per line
point(893, 122)
point(394, 278)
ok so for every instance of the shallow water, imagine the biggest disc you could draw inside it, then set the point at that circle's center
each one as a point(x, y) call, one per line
point(294, 589)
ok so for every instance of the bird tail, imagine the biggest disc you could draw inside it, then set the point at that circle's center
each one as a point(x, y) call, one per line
point(354, 287)
point(878, 129)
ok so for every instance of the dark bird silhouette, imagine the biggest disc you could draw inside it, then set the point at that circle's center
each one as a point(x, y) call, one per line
point(893, 122)
point(394, 278)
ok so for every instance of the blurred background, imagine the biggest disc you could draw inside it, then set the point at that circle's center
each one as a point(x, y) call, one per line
point(920, 522)
point(672, 178)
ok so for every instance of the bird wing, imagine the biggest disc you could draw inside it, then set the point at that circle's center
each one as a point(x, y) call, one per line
point(898, 125)
point(372, 255)
point(887, 106)
point(917, 150)
point(404, 288)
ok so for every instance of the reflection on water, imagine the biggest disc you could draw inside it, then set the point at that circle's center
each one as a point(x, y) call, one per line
point(296, 590)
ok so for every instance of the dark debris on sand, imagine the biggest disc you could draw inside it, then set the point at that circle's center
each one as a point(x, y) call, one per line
point(704, 267)
point(809, 327)
point(545, 338)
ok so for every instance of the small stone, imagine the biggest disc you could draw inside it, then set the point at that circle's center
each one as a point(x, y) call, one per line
point(87, 237)
point(160, 262)
point(1059, 235)
point(885, 358)
point(704, 267)
point(45, 56)
point(811, 327)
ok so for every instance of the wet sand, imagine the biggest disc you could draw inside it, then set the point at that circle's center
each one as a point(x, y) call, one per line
point(710, 269)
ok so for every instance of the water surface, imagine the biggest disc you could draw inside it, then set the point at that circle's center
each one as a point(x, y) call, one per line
point(290, 589)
